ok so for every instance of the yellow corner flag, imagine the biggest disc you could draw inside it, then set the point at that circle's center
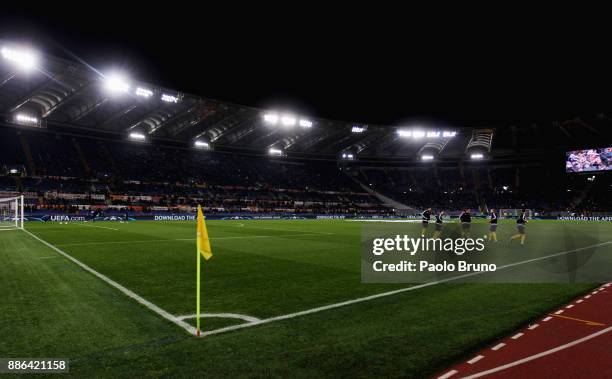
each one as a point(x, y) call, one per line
point(203, 247)
point(203, 242)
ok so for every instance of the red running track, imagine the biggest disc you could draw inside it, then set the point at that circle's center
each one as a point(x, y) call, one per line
point(574, 341)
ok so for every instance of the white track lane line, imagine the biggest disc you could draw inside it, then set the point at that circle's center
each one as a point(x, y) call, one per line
point(547, 319)
point(579, 301)
point(570, 306)
point(390, 293)
point(517, 336)
point(448, 374)
point(559, 312)
point(190, 329)
point(587, 296)
point(539, 355)
point(532, 327)
point(475, 359)
point(498, 346)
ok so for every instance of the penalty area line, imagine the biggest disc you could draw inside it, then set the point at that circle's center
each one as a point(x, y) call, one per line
point(390, 293)
point(190, 329)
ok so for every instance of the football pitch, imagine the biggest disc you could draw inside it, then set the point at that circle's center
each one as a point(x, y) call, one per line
point(280, 297)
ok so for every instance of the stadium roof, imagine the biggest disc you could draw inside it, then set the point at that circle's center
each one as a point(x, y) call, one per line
point(53, 92)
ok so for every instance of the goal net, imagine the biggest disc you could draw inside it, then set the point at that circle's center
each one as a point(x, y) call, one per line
point(11, 213)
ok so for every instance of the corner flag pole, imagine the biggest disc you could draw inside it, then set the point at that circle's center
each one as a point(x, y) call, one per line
point(203, 248)
point(198, 293)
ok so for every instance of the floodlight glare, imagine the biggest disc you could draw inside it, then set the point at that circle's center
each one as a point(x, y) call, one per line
point(23, 118)
point(116, 83)
point(24, 59)
point(144, 92)
point(305, 123)
point(169, 98)
point(433, 134)
point(201, 144)
point(288, 120)
point(449, 134)
point(274, 151)
point(477, 156)
point(137, 136)
point(357, 129)
point(404, 133)
point(271, 118)
point(427, 157)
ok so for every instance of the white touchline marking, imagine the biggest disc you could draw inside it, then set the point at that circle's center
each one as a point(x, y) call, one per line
point(517, 336)
point(579, 301)
point(547, 318)
point(97, 226)
point(475, 359)
point(587, 296)
point(46, 257)
point(221, 315)
point(559, 312)
point(448, 374)
point(127, 242)
point(532, 327)
point(539, 355)
point(390, 293)
point(190, 329)
point(570, 306)
point(498, 346)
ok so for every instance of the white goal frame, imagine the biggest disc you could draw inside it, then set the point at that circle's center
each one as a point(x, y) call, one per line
point(16, 205)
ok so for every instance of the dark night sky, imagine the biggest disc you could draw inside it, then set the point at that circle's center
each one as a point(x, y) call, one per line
point(373, 67)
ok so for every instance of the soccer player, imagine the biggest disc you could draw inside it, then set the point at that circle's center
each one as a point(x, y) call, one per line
point(466, 222)
point(438, 230)
point(520, 227)
point(493, 226)
point(425, 217)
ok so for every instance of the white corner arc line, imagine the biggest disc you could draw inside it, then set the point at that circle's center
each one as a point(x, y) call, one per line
point(539, 355)
point(390, 293)
point(221, 315)
point(448, 374)
point(475, 359)
point(190, 329)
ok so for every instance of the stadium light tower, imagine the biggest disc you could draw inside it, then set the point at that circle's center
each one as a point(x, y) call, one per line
point(275, 152)
point(427, 157)
point(201, 144)
point(116, 83)
point(288, 120)
point(271, 118)
point(476, 156)
point(24, 59)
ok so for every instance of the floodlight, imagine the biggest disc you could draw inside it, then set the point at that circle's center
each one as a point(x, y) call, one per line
point(169, 98)
point(144, 92)
point(137, 136)
point(477, 156)
point(427, 157)
point(343, 155)
point(14, 171)
point(116, 83)
point(23, 118)
point(404, 133)
point(358, 129)
point(448, 134)
point(274, 151)
point(288, 120)
point(418, 134)
point(201, 144)
point(350, 156)
point(433, 134)
point(271, 118)
point(305, 123)
point(23, 58)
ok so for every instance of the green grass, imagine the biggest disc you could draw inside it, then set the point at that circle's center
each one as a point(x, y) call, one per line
point(52, 308)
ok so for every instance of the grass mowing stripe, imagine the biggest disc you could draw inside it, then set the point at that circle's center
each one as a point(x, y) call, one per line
point(190, 329)
point(390, 293)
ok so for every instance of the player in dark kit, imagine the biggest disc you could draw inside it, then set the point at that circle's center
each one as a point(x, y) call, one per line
point(493, 226)
point(425, 217)
point(438, 230)
point(466, 222)
point(520, 227)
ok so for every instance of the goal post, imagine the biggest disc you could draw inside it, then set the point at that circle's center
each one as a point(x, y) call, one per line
point(11, 213)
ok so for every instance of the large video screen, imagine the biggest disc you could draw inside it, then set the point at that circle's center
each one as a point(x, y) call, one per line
point(589, 160)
